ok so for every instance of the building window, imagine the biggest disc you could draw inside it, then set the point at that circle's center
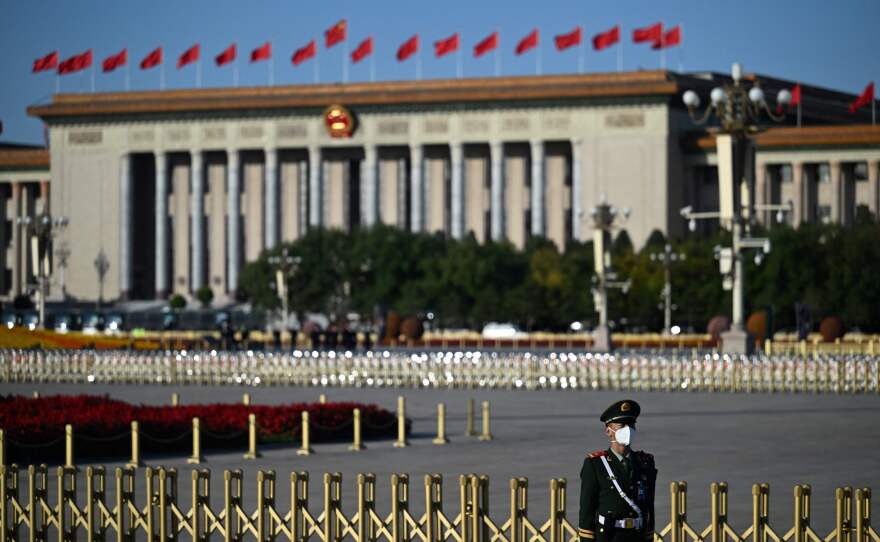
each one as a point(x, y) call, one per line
point(785, 175)
point(860, 172)
point(823, 214)
point(823, 173)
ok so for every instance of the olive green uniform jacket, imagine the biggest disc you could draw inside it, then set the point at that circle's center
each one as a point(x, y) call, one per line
point(599, 496)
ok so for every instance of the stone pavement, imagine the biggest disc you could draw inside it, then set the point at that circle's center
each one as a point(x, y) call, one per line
point(823, 440)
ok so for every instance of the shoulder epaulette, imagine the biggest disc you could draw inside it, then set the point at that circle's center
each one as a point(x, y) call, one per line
point(599, 453)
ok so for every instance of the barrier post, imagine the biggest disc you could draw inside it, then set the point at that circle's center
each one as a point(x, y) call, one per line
point(246, 399)
point(356, 445)
point(68, 446)
point(470, 431)
point(322, 399)
point(135, 446)
point(252, 452)
point(175, 399)
point(441, 425)
point(2, 450)
point(196, 457)
point(401, 423)
point(305, 448)
point(486, 434)
point(36, 394)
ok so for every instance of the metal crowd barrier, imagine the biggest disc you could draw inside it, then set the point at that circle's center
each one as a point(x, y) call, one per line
point(640, 371)
point(162, 515)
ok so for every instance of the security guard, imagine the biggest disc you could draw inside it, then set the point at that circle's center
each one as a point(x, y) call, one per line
point(617, 484)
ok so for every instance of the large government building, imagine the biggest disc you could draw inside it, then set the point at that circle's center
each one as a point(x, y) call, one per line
point(178, 189)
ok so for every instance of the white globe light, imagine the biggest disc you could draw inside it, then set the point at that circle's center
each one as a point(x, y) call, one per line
point(756, 95)
point(691, 99)
point(717, 96)
point(784, 97)
point(736, 71)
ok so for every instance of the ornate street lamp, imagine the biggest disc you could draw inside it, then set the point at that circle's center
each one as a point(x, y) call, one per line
point(739, 112)
point(606, 218)
point(666, 258)
point(102, 265)
point(286, 266)
point(41, 230)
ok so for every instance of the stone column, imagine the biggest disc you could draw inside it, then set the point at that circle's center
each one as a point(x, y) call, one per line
point(271, 207)
point(17, 271)
point(537, 148)
point(417, 188)
point(44, 197)
point(496, 154)
point(874, 187)
point(762, 193)
point(315, 188)
point(302, 172)
point(797, 178)
point(126, 237)
point(197, 212)
point(233, 219)
point(369, 186)
point(161, 224)
point(835, 170)
point(403, 213)
point(577, 188)
point(456, 189)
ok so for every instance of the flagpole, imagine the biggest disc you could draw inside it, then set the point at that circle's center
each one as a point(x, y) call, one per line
point(581, 57)
point(680, 49)
point(199, 73)
point(271, 72)
point(235, 73)
point(497, 62)
point(345, 60)
point(619, 57)
point(57, 83)
point(800, 100)
point(93, 77)
point(316, 69)
point(418, 65)
point(538, 61)
point(162, 76)
point(372, 68)
point(458, 65)
point(127, 75)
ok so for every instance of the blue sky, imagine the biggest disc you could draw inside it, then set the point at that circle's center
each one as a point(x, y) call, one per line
point(831, 44)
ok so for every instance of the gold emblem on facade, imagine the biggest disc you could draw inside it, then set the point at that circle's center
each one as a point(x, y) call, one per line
point(339, 121)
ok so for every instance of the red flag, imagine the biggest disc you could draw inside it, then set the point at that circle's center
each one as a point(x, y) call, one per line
point(408, 49)
point(152, 60)
point(564, 41)
point(335, 34)
point(653, 33)
point(795, 98)
point(446, 46)
point(227, 56)
point(669, 39)
point(76, 63)
point(363, 50)
point(488, 44)
point(865, 98)
point(528, 42)
point(189, 56)
point(263, 52)
point(606, 39)
point(114, 61)
point(304, 53)
point(48, 62)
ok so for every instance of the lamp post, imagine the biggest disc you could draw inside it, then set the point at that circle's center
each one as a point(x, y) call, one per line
point(40, 230)
point(286, 266)
point(666, 258)
point(739, 112)
point(102, 265)
point(63, 255)
point(605, 219)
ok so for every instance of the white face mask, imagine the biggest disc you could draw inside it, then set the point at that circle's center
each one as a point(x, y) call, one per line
point(625, 435)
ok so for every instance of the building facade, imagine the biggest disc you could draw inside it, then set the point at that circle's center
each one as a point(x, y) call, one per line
point(180, 188)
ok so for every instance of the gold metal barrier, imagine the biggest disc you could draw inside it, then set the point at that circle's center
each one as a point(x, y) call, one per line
point(28, 513)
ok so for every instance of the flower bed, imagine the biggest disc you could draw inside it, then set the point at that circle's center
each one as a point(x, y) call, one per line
point(34, 428)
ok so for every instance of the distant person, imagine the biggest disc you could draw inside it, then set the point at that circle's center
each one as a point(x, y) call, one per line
point(617, 484)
